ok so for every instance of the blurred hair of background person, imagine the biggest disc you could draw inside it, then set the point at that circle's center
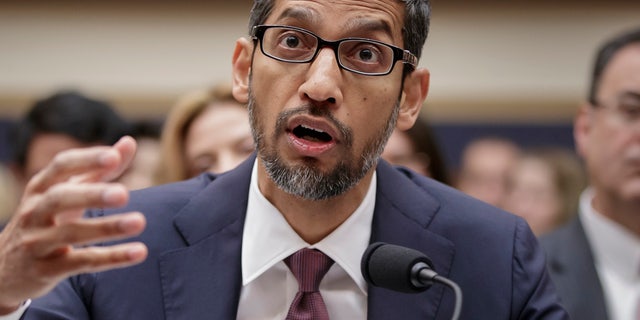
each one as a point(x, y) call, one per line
point(544, 186)
point(595, 259)
point(62, 121)
point(484, 166)
point(143, 169)
point(207, 130)
point(417, 149)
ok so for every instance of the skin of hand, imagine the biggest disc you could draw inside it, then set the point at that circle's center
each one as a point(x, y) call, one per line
point(48, 240)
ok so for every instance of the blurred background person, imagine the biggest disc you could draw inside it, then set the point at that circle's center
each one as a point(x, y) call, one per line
point(544, 186)
point(62, 121)
point(207, 130)
point(418, 150)
point(8, 195)
point(594, 261)
point(484, 166)
point(142, 171)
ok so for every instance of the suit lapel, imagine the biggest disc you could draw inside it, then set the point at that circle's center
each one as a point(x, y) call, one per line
point(575, 268)
point(402, 216)
point(203, 279)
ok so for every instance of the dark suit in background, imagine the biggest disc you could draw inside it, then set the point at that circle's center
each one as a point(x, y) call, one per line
point(573, 271)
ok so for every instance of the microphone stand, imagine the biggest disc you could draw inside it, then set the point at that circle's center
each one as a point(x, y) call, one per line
point(426, 276)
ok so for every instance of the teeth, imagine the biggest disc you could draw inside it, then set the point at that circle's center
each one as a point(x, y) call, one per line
point(309, 128)
point(311, 134)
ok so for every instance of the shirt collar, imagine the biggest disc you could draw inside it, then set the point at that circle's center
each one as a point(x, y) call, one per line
point(268, 238)
point(613, 245)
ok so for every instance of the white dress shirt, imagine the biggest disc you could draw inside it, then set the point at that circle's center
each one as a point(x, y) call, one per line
point(268, 286)
point(616, 251)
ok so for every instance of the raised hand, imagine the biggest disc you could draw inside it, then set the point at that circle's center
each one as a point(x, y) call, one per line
point(48, 240)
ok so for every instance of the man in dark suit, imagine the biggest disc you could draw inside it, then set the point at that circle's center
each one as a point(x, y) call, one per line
point(241, 244)
point(595, 259)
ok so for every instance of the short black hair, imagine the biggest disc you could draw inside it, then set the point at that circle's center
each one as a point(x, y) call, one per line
point(70, 113)
point(146, 128)
point(604, 56)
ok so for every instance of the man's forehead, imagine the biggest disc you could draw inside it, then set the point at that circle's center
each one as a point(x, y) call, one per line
point(624, 68)
point(378, 15)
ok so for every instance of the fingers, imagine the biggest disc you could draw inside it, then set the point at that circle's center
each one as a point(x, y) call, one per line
point(99, 163)
point(96, 259)
point(127, 148)
point(73, 162)
point(43, 241)
point(67, 201)
point(59, 241)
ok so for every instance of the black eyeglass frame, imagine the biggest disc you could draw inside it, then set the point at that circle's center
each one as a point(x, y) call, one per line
point(399, 54)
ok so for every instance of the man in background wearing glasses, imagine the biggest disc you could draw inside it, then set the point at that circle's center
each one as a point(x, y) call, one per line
point(595, 260)
point(326, 83)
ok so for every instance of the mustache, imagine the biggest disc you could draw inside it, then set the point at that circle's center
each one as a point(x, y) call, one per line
point(309, 109)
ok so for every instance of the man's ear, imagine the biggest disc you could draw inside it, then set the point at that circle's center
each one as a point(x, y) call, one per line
point(241, 64)
point(414, 92)
point(581, 127)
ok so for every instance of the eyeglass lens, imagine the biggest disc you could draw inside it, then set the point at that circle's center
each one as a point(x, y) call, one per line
point(358, 55)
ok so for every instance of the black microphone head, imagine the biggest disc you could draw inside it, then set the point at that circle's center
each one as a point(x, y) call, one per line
point(392, 267)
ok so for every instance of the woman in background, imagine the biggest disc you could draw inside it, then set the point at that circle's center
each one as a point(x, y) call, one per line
point(418, 150)
point(544, 186)
point(8, 194)
point(207, 130)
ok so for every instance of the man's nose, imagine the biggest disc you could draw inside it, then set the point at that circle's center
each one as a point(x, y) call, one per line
point(324, 78)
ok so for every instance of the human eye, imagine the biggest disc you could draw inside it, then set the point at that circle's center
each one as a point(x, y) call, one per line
point(200, 164)
point(246, 146)
point(366, 56)
point(293, 44)
point(290, 39)
point(630, 109)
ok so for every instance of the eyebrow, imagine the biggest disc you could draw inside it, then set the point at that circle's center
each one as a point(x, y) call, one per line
point(304, 14)
point(630, 95)
point(370, 25)
point(309, 14)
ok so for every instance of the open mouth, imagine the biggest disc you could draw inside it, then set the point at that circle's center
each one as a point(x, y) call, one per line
point(311, 134)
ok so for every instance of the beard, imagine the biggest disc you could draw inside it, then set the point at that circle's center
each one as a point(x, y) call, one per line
point(306, 180)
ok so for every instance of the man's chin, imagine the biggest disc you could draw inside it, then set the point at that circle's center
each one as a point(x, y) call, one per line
point(317, 165)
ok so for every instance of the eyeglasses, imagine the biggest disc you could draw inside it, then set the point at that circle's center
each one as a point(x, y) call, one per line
point(359, 55)
point(626, 109)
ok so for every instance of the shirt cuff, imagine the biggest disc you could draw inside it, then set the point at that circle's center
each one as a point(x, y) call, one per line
point(18, 313)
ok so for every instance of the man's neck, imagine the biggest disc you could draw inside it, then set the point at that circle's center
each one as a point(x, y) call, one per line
point(313, 219)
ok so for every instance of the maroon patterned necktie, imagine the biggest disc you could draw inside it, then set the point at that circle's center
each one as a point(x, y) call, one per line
point(309, 267)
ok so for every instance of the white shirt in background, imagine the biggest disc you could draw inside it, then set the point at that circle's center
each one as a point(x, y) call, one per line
point(616, 251)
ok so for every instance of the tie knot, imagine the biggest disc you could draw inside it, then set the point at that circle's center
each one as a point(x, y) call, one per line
point(309, 267)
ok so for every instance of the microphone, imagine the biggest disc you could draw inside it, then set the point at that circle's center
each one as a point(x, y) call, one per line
point(403, 269)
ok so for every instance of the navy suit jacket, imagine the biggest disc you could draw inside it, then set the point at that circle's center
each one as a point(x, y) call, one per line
point(194, 235)
point(573, 271)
